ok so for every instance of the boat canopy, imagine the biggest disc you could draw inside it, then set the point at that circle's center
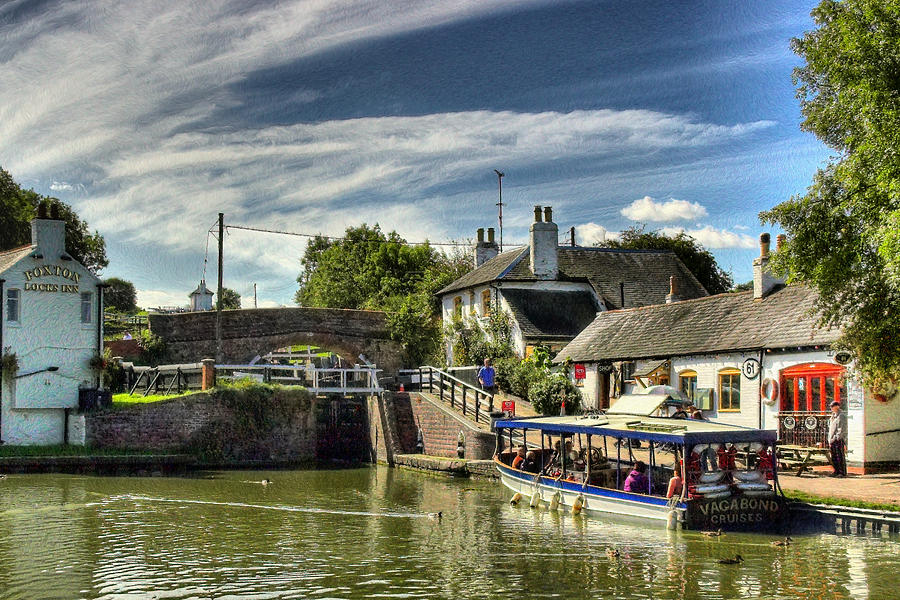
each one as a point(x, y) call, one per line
point(638, 404)
point(656, 429)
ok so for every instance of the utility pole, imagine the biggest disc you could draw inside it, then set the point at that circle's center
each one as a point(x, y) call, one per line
point(572, 236)
point(254, 296)
point(500, 205)
point(219, 358)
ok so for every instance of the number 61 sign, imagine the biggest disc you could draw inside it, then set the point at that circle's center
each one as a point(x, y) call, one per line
point(751, 368)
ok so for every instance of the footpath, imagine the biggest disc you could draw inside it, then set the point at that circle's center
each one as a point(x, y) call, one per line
point(882, 488)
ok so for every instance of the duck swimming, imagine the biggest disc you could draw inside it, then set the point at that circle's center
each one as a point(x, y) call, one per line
point(738, 559)
point(785, 542)
point(612, 553)
point(715, 533)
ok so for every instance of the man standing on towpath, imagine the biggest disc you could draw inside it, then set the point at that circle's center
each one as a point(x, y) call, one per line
point(486, 377)
point(837, 439)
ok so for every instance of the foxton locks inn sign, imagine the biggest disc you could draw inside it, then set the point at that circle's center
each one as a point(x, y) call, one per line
point(38, 273)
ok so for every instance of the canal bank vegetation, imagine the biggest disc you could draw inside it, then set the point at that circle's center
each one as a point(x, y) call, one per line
point(66, 450)
point(534, 378)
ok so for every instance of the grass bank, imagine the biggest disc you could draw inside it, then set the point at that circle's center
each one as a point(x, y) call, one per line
point(816, 499)
point(124, 399)
point(65, 450)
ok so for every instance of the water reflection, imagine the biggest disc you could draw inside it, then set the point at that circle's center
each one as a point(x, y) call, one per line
point(370, 533)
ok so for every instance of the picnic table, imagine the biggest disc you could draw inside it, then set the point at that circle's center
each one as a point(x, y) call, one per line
point(802, 457)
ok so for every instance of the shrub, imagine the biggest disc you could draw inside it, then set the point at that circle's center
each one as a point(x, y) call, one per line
point(548, 393)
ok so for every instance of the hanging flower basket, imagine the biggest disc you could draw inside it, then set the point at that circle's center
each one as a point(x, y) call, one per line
point(9, 363)
point(97, 362)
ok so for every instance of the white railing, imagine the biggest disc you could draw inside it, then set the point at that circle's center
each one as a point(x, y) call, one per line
point(323, 381)
point(473, 402)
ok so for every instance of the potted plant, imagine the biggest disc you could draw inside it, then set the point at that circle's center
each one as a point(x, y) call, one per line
point(9, 363)
point(97, 362)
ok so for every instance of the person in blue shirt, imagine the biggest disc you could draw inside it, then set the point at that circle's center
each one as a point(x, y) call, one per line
point(486, 377)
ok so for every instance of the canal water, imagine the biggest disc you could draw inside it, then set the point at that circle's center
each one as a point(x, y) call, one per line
point(370, 533)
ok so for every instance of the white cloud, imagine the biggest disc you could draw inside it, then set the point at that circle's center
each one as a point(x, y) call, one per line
point(62, 186)
point(711, 237)
point(589, 234)
point(647, 209)
point(157, 298)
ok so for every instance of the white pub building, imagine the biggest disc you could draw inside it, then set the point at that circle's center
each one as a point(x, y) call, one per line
point(51, 327)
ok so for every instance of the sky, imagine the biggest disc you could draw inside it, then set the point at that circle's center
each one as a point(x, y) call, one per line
point(150, 118)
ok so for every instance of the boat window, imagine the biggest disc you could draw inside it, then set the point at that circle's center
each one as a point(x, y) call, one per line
point(730, 390)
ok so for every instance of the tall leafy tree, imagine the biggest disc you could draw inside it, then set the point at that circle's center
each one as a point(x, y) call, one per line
point(844, 233)
point(695, 257)
point(230, 300)
point(120, 294)
point(19, 206)
point(368, 269)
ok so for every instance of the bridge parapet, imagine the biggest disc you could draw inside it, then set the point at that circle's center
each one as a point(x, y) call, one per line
point(247, 333)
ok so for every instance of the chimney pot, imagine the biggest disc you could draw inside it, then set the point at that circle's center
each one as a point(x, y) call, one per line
point(54, 210)
point(537, 214)
point(673, 285)
point(42, 210)
point(779, 241)
point(480, 234)
point(548, 214)
point(490, 235)
point(764, 241)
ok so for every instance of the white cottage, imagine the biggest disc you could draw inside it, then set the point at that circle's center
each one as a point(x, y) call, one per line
point(51, 319)
point(552, 292)
point(756, 359)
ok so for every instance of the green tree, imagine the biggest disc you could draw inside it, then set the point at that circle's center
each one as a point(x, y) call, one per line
point(368, 269)
point(231, 300)
point(120, 295)
point(695, 257)
point(844, 233)
point(18, 207)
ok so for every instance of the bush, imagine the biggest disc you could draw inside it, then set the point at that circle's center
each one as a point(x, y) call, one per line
point(548, 393)
point(516, 376)
point(153, 348)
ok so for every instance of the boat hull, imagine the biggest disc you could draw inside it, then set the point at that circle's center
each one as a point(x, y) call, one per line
point(593, 500)
point(734, 513)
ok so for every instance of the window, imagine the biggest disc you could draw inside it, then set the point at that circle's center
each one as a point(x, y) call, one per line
point(471, 302)
point(12, 306)
point(457, 306)
point(486, 302)
point(812, 387)
point(730, 390)
point(86, 303)
point(687, 383)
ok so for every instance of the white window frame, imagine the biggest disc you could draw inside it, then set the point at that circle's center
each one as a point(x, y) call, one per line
point(18, 300)
point(88, 299)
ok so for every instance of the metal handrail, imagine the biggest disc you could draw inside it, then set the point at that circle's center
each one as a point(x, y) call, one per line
point(475, 411)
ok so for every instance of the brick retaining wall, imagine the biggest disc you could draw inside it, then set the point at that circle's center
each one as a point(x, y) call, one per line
point(441, 428)
point(201, 423)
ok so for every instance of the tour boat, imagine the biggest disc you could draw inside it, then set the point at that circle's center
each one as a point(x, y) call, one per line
point(729, 472)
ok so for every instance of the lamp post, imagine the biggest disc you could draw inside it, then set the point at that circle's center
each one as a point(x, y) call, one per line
point(500, 205)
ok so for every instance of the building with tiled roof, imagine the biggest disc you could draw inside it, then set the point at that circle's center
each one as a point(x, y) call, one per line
point(552, 292)
point(758, 358)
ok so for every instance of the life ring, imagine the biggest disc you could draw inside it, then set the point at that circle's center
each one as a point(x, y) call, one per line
point(770, 391)
point(789, 423)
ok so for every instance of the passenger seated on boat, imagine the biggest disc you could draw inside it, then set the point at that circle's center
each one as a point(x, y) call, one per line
point(519, 458)
point(637, 481)
point(676, 484)
point(680, 412)
point(531, 464)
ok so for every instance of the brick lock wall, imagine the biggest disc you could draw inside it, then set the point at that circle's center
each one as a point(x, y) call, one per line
point(174, 425)
point(441, 430)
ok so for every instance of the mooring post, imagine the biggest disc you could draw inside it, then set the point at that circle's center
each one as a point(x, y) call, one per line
point(207, 374)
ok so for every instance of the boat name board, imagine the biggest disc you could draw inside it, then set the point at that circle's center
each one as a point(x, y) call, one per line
point(733, 511)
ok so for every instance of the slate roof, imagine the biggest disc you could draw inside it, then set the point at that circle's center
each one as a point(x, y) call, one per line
point(645, 273)
point(550, 314)
point(8, 258)
point(721, 323)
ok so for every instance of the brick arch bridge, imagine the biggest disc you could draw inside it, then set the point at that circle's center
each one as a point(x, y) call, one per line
point(246, 333)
